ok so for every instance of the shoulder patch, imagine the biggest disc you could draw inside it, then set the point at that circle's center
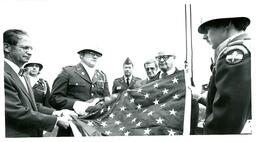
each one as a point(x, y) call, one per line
point(234, 56)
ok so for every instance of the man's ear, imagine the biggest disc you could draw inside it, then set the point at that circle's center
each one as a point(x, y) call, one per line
point(7, 48)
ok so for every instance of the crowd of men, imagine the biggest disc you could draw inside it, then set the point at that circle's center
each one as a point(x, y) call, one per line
point(31, 108)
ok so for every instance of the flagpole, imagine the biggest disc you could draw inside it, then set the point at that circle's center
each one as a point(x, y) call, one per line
point(188, 77)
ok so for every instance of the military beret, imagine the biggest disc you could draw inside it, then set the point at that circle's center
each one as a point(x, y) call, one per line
point(34, 63)
point(213, 21)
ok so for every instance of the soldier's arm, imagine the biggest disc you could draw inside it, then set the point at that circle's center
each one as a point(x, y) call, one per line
point(114, 87)
point(59, 98)
point(232, 100)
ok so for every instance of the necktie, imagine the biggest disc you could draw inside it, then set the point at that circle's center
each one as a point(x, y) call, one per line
point(30, 91)
point(22, 71)
point(127, 81)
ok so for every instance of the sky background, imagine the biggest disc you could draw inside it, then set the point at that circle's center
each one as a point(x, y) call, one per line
point(137, 29)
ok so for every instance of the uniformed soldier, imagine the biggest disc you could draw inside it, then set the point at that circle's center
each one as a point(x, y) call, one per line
point(229, 95)
point(127, 81)
point(40, 86)
point(80, 87)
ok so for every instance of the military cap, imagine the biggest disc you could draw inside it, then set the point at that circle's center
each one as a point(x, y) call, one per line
point(34, 63)
point(212, 21)
point(89, 50)
point(128, 61)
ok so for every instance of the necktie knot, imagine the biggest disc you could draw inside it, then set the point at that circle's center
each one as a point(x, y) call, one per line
point(22, 71)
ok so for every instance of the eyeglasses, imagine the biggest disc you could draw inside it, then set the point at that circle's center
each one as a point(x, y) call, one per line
point(164, 57)
point(150, 68)
point(25, 47)
point(94, 54)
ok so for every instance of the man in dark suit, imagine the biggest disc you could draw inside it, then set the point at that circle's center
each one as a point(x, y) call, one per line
point(80, 87)
point(23, 117)
point(127, 81)
point(151, 69)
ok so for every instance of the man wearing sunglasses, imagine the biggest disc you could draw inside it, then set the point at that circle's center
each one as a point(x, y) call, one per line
point(151, 69)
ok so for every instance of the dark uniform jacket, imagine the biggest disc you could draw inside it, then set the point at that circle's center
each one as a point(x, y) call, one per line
point(41, 91)
point(120, 85)
point(229, 95)
point(23, 118)
point(74, 84)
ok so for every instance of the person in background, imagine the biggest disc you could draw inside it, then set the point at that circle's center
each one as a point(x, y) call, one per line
point(228, 102)
point(23, 117)
point(127, 81)
point(81, 87)
point(151, 69)
point(40, 86)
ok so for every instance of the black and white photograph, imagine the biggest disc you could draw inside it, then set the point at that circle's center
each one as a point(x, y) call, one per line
point(118, 70)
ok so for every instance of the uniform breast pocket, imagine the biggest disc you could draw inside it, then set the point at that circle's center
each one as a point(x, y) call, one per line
point(78, 85)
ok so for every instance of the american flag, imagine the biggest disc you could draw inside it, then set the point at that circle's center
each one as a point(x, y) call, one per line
point(156, 108)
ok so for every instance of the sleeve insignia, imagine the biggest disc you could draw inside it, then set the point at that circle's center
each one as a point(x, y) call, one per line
point(234, 57)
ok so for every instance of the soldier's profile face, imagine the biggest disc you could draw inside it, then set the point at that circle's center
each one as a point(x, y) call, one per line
point(89, 59)
point(128, 69)
point(215, 36)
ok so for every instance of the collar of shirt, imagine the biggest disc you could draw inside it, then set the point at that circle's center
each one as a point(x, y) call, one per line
point(171, 71)
point(89, 70)
point(14, 66)
point(222, 45)
point(129, 78)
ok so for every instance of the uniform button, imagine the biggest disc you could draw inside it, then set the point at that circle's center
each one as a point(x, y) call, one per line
point(92, 85)
point(92, 94)
point(82, 73)
point(76, 83)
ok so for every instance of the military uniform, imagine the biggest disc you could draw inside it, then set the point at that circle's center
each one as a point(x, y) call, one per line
point(74, 84)
point(120, 84)
point(41, 91)
point(229, 95)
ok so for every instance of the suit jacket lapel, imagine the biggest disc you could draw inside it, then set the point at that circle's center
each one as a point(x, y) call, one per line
point(83, 73)
point(14, 75)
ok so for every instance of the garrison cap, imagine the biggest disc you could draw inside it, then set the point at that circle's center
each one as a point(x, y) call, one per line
point(128, 61)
